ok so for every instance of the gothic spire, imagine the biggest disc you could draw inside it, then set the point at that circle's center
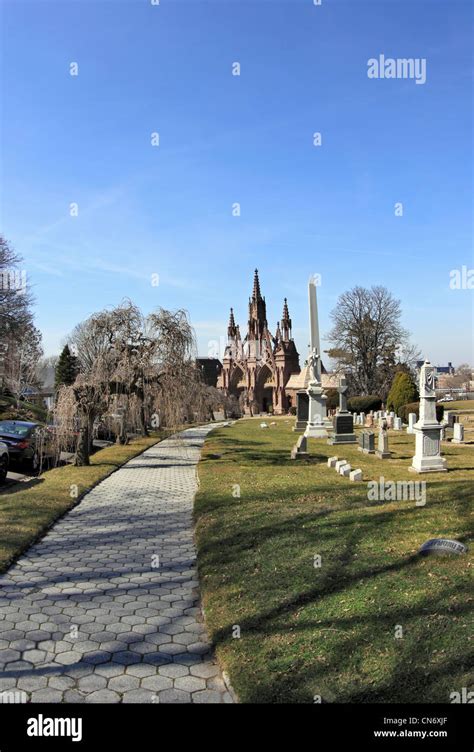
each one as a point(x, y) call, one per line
point(231, 329)
point(286, 322)
point(256, 287)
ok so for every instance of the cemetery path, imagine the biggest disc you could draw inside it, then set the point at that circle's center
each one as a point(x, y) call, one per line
point(106, 608)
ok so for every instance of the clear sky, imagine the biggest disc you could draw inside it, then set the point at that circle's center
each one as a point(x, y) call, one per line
point(305, 209)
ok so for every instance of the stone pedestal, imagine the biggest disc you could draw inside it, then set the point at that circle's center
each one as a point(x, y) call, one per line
point(318, 423)
point(427, 430)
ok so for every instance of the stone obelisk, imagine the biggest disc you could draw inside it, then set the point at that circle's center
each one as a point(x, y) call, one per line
point(318, 423)
point(427, 430)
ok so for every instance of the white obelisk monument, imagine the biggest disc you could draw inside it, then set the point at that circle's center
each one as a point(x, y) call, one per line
point(318, 423)
point(427, 430)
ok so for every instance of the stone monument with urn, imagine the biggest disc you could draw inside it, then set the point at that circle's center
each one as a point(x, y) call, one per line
point(427, 430)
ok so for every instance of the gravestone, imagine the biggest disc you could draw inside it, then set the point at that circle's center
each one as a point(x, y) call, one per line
point(442, 546)
point(355, 475)
point(389, 421)
point(369, 421)
point(345, 470)
point(300, 448)
point(367, 442)
point(332, 461)
point(450, 418)
point(458, 435)
point(339, 464)
point(382, 449)
point(343, 421)
point(397, 424)
point(427, 457)
point(302, 409)
point(411, 422)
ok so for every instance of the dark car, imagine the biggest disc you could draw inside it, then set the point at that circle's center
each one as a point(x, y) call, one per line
point(28, 442)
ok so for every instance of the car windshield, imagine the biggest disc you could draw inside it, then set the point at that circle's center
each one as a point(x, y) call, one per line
point(14, 429)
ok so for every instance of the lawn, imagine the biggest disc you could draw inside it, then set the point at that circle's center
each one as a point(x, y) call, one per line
point(459, 405)
point(375, 622)
point(28, 509)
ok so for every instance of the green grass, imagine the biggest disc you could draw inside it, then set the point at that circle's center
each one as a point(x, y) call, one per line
point(28, 509)
point(459, 405)
point(330, 631)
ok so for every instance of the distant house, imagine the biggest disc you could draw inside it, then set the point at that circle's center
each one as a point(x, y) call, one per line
point(210, 369)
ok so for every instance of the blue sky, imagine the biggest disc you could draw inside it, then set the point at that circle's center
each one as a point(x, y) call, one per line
point(167, 210)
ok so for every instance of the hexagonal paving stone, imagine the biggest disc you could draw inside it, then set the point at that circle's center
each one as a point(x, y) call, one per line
point(95, 657)
point(109, 670)
point(69, 657)
point(91, 683)
point(35, 656)
point(103, 695)
point(8, 655)
point(205, 670)
point(74, 696)
point(31, 683)
point(157, 683)
point(141, 670)
point(190, 683)
point(124, 683)
point(46, 695)
point(174, 696)
point(140, 696)
point(60, 682)
point(174, 670)
point(127, 657)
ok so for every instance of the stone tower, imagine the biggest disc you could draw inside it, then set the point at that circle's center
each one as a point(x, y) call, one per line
point(257, 368)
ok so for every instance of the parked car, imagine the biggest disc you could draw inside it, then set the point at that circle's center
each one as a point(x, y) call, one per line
point(4, 461)
point(28, 442)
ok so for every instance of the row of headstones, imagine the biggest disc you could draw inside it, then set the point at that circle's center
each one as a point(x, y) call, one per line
point(450, 421)
point(343, 468)
point(361, 419)
point(367, 440)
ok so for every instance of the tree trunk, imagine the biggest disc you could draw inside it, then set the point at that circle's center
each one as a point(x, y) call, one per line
point(82, 451)
point(143, 427)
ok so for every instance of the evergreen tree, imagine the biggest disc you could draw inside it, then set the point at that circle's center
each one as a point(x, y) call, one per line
point(67, 368)
point(402, 392)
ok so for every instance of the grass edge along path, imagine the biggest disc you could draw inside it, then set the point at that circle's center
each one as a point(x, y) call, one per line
point(26, 514)
point(375, 622)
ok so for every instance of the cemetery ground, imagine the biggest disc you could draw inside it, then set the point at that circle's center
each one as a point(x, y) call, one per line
point(376, 622)
point(28, 509)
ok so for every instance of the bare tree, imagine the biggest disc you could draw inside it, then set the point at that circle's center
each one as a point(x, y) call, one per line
point(15, 297)
point(21, 361)
point(367, 338)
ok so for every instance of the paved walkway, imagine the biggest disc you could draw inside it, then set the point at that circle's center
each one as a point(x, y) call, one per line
point(106, 608)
